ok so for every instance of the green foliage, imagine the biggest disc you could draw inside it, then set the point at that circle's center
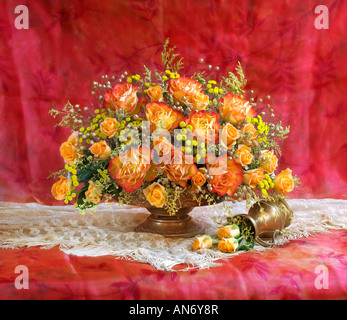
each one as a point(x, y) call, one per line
point(235, 82)
point(169, 59)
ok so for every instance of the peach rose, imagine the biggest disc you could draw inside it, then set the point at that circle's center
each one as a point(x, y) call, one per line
point(100, 150)
point(184, 87)
point(225, 181)
point(155, 195)
point(228, 245)
point(203, 242)
point(204, 125)
point(129, 169)
point(161, 116)
point(249, 133)
point(228, 231)
point(253, 177)
point(68, 149)
point(109, 127)
point(198, 101)
point(244, 156)
point(94, 193)
point(284, 182)
point(270, 163)
point(229, 135)
point(199, 179)
point(179, 170)
point(60, 188)
point(155, 93)
point(234, 109)
point(162, 146)
point(123, 96)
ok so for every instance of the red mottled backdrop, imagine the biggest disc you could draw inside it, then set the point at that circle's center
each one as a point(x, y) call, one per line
point(71, 43)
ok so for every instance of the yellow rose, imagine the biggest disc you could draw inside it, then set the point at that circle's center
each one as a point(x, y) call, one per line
point(203, 242)
point(130, 168)
point(284, 182)
point(109, 127)
point(60, 188)
point(198, 101)
point(234, 109)
point(155, 93)
point(100, 150)
point(199, 179)
point(229, 135)
point(269, 164)
point(249, 133)
point(228, 245)
point(155, 195)
point(180, 169)
point(225, 181)
point(123, 96)
point(204, 125)
point(243, 155)
point(161, 116)
point(184, 87)
point(94, 193)
point(253, 177)
point(68, 149)
point(228, 231)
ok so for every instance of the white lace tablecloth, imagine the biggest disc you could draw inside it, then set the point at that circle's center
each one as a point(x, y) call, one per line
point(109, 230)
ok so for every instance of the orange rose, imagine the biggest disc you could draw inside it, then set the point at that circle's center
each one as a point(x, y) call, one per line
point(249, 133)
point(204, 125)
point(203, 242)
point(243, 155)
point(184, 87)
point(269, 164)
point(228, 231)
point(198, 101)
point(161, 116)
point(94, 193)
point(253, 177)
point(68, 149)
point(123, 96)
point(60, 188)
point(228, 245)
point(129, 169)
point(179, 170)
point(225, 180)
point(234, 109)
point(199, 179)
point(155, 93)
point(155, 195)
point(100, 150)
point(284, 182)
point(229, 136)
point(109, 127)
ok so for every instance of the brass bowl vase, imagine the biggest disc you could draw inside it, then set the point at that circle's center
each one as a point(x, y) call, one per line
point(179, 225)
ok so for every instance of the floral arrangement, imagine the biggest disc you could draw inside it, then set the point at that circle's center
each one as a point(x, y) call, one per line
point(162, 133)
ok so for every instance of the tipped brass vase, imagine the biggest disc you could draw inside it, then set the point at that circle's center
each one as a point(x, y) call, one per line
point(267, 219)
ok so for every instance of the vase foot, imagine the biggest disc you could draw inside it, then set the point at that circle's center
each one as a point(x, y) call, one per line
point(180, 226)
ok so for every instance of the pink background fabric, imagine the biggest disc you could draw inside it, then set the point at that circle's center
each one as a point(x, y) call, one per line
point(71, 43)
